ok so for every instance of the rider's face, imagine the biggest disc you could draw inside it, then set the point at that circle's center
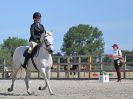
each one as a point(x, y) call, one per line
point(37, 20)
point(115, 48)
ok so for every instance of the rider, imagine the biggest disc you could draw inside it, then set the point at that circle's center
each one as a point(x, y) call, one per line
point(36, 30)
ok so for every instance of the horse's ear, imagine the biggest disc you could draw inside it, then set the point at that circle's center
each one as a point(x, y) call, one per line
point(49, 33)
point(44, 33)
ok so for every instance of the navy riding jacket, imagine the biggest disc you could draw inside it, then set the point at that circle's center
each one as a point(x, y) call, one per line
point(36, 30)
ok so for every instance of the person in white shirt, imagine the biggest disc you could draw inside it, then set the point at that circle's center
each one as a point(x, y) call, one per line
point(117, 63)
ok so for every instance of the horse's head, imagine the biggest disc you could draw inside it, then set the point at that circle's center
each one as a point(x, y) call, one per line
point(47, 41)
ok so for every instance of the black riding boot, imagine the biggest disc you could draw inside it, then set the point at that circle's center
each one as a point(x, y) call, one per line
point(26, 60)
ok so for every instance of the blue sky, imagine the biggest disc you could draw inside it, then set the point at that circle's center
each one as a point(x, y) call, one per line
point(113, 17)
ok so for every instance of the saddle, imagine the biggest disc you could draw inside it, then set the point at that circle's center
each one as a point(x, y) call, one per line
point(34, 52)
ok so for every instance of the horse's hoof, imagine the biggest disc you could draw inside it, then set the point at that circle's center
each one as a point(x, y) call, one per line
point(9, 90)
point(40, 88)
point(30, 93)
point(52, 94)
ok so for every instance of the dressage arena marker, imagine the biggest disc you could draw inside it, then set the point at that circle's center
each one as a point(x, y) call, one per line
point(104, 78)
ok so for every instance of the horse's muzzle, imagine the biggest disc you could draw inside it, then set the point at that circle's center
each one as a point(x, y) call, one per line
point(50, 51)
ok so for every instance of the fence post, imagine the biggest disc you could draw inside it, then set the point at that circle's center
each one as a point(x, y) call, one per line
point(90, 60)
point(101, 62)
point(39, 75)
point(68, 65)
point(58, 68)
point(79, 67)
point(4, 63)
point(125, 67)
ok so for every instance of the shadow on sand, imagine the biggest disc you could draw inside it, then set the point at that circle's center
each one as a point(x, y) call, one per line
point(13, 94)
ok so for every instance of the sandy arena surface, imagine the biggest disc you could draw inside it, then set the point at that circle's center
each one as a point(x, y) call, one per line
point(70, 89)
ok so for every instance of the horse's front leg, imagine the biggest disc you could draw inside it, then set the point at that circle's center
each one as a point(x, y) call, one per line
point(48, 73)
point(43, 88)
point(27, 81)
point(47, 81)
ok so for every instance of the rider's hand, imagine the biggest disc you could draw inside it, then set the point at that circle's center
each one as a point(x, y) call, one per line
point(38, 41)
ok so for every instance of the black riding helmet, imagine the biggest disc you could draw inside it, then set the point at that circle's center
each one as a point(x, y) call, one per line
point(37, 15)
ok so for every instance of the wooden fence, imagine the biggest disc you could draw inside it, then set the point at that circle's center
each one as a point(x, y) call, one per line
point(87, 67)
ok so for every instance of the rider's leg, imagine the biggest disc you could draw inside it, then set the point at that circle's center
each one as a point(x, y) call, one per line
point(26, 59)
point(31, 46)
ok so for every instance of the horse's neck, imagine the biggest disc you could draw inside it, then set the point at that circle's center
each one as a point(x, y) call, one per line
point(43, 53)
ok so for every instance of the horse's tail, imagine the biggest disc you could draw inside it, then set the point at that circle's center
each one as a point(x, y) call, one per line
point(21, 73)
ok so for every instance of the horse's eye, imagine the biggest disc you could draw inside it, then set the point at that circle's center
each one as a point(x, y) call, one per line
point(45, 40)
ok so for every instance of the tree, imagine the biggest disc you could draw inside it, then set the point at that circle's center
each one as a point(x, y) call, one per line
point(127, 52)
point(8, 47)
point(11, 43)
point(5, 54)
point(83, 39)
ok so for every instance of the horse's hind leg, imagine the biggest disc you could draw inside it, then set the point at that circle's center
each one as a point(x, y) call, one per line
point(27, 81)
point(13, 79)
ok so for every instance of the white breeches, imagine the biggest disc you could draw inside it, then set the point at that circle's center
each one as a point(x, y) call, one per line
point(32, 44)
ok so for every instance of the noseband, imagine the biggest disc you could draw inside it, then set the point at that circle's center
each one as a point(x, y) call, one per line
point(47, 45)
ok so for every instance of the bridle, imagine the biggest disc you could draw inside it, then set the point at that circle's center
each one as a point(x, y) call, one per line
point(45, 40)
point(46, 44)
